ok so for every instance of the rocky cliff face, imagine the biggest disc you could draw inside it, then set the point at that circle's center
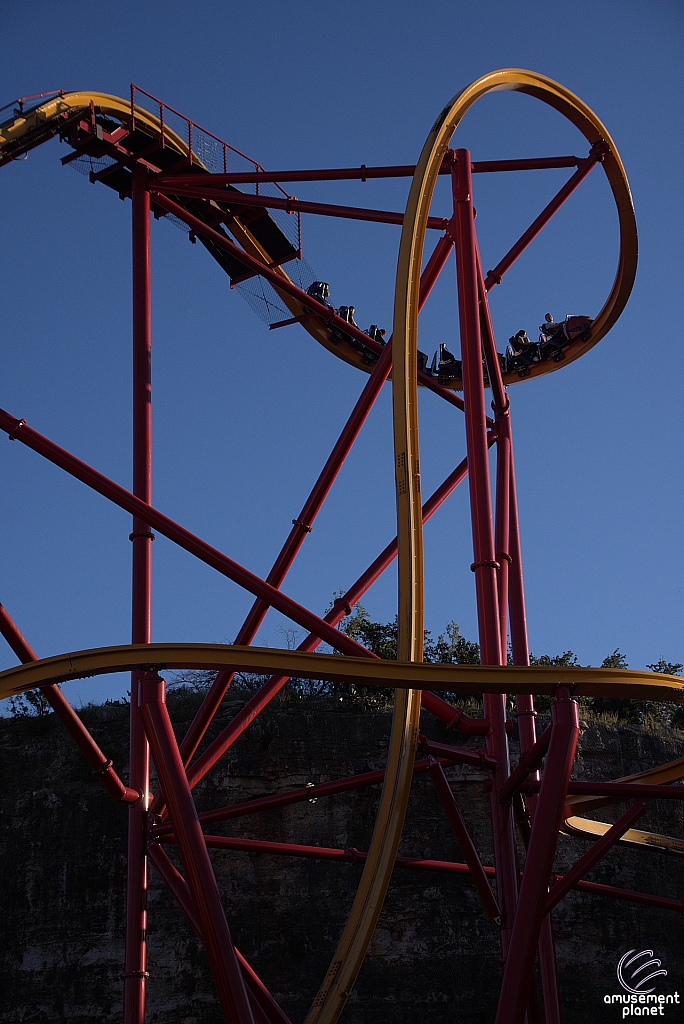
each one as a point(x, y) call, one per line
point(434, 957)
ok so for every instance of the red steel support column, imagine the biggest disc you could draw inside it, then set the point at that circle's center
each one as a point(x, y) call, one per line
point(484, 566)
point(193, 852)
point(135, 971)
point(502, 528)
point(520, 650)
point(264, 1006)
point(533, 894)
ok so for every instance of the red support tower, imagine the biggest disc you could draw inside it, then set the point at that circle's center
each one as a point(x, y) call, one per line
point(152, 154)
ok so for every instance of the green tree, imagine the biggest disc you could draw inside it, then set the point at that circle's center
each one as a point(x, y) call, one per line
point(32, 704)
point(674, 715)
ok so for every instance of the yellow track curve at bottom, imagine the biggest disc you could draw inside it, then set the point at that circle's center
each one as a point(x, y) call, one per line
point(586, 828)
point(466, 679)
point(403, 676)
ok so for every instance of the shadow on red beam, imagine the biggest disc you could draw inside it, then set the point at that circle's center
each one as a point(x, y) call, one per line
point(352, 856)
point(309, 792)
point(619, 790)
point(293, 205)
point(363, 173)
point(101, 765)
point(445, 866)
point(597, 889)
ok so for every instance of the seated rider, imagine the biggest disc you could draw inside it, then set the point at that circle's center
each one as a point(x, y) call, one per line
point(376, 333)
point(548, 329)
point(520, 343)
point(446, 358)
point(347, 313)
point(521, 350)
point(552, 337)
point(319, 290)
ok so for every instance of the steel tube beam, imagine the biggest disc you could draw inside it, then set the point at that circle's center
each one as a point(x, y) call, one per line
point(620, 790)
point(447, 867)
point(179, 535)
point(135, 970)
point(362, 173)
point(101, 765)
point(264, 1006)
point(476, 756)
point(312, 506)
point(193, 852)
point(548, 814)
point(292, 205)
point(494, 276)
point(593, 855)
point(528, 763)
point(484, 563)
point(467, 847)
point(295, 796)
point(324, 853)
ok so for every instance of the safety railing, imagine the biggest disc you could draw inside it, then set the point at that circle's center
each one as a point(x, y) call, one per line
point(216, 155)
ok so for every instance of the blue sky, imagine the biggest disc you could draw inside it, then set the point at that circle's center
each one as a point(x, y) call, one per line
point(244, 418)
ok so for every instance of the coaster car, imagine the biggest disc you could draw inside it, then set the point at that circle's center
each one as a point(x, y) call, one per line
point(554, 338)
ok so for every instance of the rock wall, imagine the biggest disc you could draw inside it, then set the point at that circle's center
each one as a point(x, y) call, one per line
point(434, 956)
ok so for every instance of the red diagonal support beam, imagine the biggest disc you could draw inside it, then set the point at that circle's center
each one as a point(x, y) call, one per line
point(19, 430)
point(538, 863)
point(595, 157)
point(264, 1006)
point(436, 705)
point(592, 856)
point(304, 521)
point(476, 756)
point(101, 765)
point(295, 796)
point(258, 702)
point(193, 852)
point(463, 839)
point(292, 205)
point(529, 762)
